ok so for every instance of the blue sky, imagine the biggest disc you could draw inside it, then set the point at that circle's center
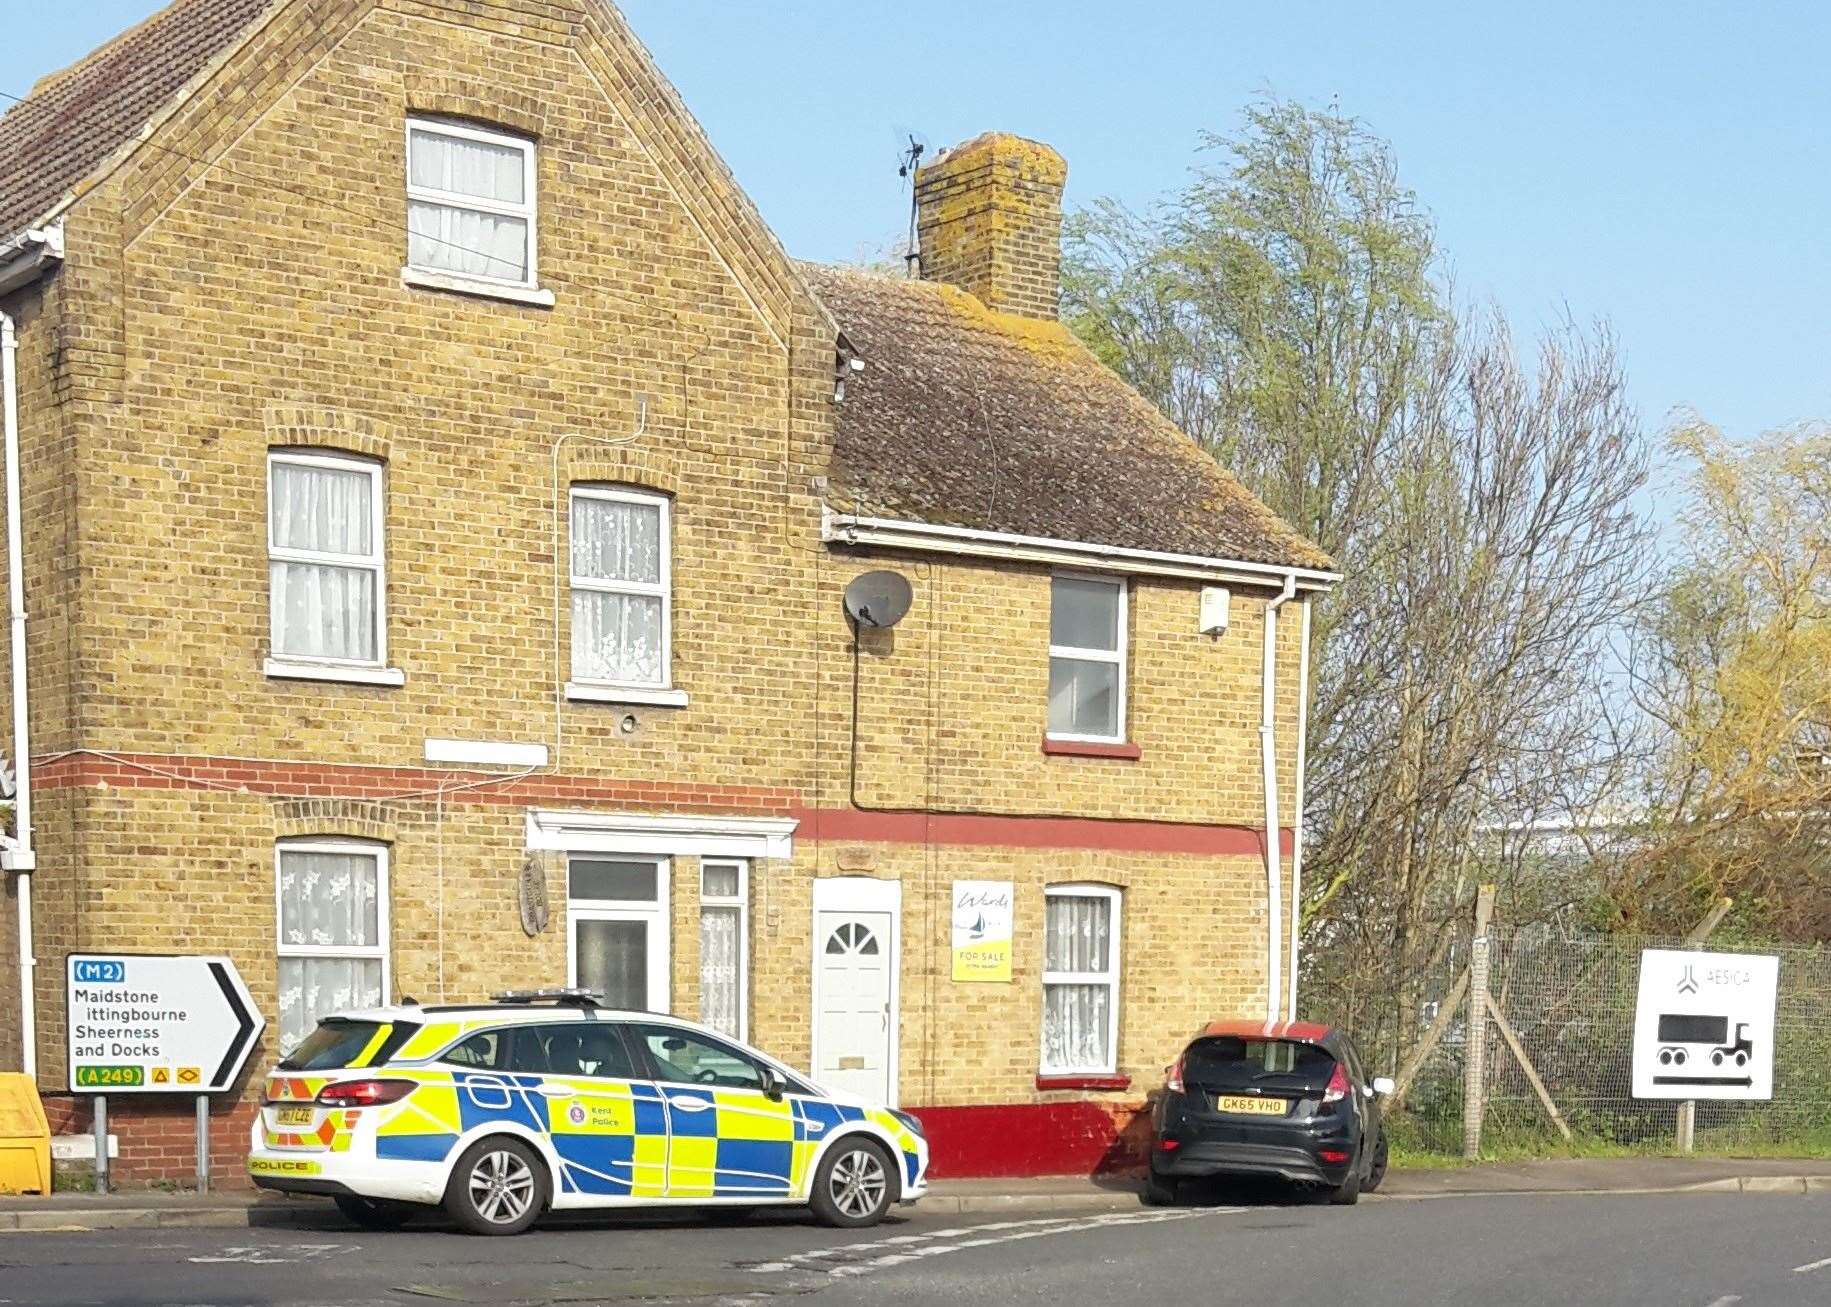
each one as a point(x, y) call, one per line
point(1665, 166)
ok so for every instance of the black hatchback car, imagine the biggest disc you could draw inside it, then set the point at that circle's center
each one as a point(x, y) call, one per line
point(1286, 1100)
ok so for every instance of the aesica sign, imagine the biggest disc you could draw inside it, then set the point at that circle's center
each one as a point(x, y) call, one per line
point(982, 930)
point(146, 1024)
point(1704, 1025)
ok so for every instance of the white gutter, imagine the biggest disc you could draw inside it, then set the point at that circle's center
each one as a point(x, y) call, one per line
point(927, 537)
point(1274, 856)
point(26, 257)
point(1303, 741)
point(18, 856)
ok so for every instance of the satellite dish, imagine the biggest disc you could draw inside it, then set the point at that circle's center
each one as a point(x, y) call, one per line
point(878, 598)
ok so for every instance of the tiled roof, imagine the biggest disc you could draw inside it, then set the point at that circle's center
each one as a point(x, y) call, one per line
point(74, 119)
point(967, 417)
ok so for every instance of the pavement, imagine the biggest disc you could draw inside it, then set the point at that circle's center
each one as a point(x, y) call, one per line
point(1694, 1249)
point(243, 1208)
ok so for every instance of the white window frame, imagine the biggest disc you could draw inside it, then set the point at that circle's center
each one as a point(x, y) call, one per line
point(1122, 638)
point(662, 589)
point(740, 901)
point(366, 952)
point(1110, 977)
point(376, 561)
point(527, 210)
point(655, 915)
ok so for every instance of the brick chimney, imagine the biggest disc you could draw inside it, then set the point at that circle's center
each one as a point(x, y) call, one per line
point(990, 222)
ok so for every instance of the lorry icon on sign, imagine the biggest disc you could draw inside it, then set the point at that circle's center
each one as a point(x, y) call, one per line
point(1680, 1034)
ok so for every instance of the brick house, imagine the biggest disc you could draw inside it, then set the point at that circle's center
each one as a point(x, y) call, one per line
point(438, 491)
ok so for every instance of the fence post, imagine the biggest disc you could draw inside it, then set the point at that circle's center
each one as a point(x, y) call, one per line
point(1687, 1111)
point(1474, 1074)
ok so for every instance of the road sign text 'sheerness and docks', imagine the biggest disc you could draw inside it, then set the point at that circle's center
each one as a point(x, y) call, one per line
point(157, 1024)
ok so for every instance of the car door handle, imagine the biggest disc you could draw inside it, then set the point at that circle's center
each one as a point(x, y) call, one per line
point(555, 1091)
point(688, 1103)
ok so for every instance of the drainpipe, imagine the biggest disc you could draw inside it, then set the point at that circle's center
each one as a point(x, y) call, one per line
point(1274, 859)
point(19, 858)
point(1303, 740)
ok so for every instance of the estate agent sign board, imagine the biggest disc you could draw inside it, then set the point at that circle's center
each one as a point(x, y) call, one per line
point(157, 1024)
point(982, 930)
point(1704, 1025)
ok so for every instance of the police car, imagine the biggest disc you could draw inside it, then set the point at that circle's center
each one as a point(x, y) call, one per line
point(545, 1100)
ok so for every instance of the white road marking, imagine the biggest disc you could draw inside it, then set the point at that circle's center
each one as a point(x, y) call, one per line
point(1727, 1300)
point(1809, 1267)
point(902, 1249)
point(273, 1256)
point(796, 1260)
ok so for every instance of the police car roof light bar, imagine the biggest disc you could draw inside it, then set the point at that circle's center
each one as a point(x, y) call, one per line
point(558, 997)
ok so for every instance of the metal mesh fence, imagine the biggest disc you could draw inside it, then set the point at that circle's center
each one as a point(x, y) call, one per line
point(1570, 999)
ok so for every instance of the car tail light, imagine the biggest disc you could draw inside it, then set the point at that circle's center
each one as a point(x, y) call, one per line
point(1169, 1145)
point(1338, 1087)
point(365, 1093)
point(1173, 1076)
point(1333, 1156)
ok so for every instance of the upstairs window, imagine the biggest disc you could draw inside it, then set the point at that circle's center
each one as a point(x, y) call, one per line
point(324, 558)
point(621, 609)
point(470, 202)
point(1087, 659)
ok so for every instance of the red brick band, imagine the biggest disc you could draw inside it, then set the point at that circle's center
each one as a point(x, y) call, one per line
point(345, 781)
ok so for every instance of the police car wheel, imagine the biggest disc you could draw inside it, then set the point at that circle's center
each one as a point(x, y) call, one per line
point(498, 1187)
point(374, 1213)
point(854, 1185)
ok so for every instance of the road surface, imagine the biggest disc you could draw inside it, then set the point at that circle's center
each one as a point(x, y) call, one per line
point(1716, 1250)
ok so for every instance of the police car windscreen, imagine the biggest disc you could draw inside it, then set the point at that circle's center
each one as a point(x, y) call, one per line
point(333, 1044)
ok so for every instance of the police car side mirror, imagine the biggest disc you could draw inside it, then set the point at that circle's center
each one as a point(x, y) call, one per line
point(773, 1084)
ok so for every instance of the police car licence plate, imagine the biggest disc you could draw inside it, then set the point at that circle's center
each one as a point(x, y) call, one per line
point(295, 1116)
point(1250, 1106)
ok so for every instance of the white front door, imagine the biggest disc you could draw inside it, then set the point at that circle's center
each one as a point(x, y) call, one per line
point(855, 964)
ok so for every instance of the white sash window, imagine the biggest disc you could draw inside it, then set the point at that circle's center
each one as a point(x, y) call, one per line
point(1087, 659)
point(1080, 980)
point(724, 942)
point(470, 202)
point(331, 900)
point(621, 602)
point(324, 559)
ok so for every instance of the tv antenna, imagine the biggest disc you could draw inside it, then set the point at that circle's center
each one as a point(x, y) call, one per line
point(908, 161)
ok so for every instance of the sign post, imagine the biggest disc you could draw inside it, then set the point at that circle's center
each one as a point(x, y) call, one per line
point(157, 1024)
point(101, 1143)
point(1704, 1025)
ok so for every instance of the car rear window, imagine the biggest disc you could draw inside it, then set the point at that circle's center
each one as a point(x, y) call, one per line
point(1228, 1062)
point(332, 1045)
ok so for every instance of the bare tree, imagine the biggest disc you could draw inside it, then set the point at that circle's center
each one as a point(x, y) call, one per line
point(1283, 309)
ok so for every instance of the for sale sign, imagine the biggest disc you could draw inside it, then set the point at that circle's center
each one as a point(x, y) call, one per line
point(1704, 1025)
point(157, 1024)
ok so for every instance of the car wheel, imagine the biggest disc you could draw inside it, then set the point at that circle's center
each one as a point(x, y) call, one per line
point(374, 1213)
point(1161, 1191)
point(1376, 1174)
point(499, 1186)
point(1348, 1192)
point(854, 1185)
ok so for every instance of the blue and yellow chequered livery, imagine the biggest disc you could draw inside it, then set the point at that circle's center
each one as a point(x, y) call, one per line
point(386, 1106)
